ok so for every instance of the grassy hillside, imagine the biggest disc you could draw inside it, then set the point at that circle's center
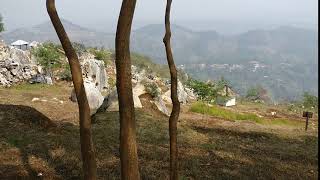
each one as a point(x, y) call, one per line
point(43, 137)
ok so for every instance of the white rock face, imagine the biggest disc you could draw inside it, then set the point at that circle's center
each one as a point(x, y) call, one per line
point(20, 56)
point(94, 71)
point(15, 65)
point(95, 98)
point(182, 95)
point(161, 106)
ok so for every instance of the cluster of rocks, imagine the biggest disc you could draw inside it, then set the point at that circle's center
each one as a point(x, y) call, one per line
point(15, 65)
point(95, 81)
point(139, 80)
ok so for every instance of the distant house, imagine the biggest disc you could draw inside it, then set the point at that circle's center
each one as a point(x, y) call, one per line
point(226, 97)
point(21, 44)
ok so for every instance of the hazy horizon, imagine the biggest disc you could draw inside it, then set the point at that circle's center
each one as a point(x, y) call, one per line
point(229, 16)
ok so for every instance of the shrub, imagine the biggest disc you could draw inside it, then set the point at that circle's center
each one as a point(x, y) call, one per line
point(152, 89)
point(310, 101)
point(101, 54)
point(257, 93)
point(205, 91)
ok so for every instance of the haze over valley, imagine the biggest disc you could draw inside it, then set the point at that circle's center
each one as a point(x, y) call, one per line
point(283, 60)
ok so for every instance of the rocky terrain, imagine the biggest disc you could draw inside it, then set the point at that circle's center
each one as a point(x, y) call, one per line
point(19, 66)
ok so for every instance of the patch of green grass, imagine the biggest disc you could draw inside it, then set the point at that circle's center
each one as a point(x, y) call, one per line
point(216, 111)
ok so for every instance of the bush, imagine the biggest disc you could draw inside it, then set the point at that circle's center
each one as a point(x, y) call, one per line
point(152, 89)
point(310, 101)
point(101, 54)
point(205, 91)
point(257, 93)
point(48, 56)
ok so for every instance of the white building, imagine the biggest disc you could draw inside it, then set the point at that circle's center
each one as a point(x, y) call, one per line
point(20, 44)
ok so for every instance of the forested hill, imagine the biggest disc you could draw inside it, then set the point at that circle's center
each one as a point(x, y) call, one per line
point(282, 60)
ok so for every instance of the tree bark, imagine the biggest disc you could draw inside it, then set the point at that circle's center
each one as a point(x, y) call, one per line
point(173, 120)
point(87, 149)
point(128, 144)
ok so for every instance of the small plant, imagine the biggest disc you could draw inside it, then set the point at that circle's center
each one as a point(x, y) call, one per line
point(111, 82)
point(152, 89)
point(66, 73)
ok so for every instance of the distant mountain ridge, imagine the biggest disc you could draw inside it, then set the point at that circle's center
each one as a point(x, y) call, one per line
point(283, 60)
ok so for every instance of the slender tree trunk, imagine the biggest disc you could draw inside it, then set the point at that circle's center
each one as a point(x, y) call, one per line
point(87, 149)
point(128, 144)
point(173, 120)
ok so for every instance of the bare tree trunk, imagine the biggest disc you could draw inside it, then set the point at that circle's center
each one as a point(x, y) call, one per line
point(173, 120)
point(128, 144)
point(87, 149)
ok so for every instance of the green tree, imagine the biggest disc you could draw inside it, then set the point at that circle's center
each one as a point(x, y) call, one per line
point(1, 24)
point(205, 91)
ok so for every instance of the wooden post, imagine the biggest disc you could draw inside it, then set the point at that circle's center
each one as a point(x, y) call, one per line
point(307, 115)
point(307, 121)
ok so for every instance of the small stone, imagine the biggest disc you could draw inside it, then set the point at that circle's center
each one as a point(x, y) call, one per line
point(35, 99)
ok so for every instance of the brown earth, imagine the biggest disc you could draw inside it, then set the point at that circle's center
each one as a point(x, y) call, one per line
point(40, 140)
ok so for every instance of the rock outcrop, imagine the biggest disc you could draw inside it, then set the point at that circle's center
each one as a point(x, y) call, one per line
point(95, 98)
point(94, 71)
point(15, 66)
point(182, 95)
point(111, 101)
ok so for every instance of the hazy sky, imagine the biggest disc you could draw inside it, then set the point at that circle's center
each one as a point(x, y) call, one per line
point(196, 14)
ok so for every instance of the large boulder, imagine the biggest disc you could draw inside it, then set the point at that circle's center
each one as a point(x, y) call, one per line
point(161, 106)
point(182, 95)
point(111, 101)
point(94, 96)
point(94, 71)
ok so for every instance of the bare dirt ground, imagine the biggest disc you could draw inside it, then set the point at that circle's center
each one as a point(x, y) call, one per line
point(40, 140)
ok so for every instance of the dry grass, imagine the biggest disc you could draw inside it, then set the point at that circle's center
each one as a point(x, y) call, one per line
point(34, 139)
